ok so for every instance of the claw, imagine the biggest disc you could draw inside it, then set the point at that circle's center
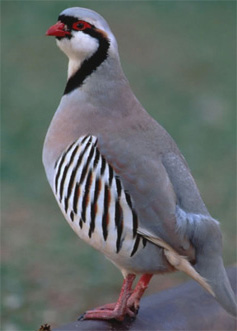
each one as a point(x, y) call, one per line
point(81, 317)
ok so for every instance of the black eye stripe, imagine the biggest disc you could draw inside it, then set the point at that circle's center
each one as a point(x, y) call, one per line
point(70, 20)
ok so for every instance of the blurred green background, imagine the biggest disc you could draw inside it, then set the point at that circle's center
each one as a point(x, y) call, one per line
point(179, 57)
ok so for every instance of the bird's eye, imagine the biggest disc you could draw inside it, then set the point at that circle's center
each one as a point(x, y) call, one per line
point(81, 25)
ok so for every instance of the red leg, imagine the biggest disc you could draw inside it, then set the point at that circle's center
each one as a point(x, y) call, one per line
point(117, 311)
point(134, 299)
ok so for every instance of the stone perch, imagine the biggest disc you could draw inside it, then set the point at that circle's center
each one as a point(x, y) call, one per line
point(186, 307)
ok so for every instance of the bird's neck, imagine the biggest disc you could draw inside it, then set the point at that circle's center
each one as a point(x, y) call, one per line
point(73, 66)
point(79, 71)
point(102, 82)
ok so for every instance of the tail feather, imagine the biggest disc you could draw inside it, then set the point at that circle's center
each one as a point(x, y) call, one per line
point(208, 271)
point(181, 263)
point(213, 270)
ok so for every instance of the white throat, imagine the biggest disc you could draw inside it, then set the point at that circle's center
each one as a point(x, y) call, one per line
point(73, 66)
point(79, 48)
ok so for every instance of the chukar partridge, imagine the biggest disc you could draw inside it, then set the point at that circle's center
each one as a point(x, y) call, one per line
point(119, 178)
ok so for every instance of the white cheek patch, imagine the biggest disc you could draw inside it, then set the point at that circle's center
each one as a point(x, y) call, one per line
point(84, 44)
point(80, 47)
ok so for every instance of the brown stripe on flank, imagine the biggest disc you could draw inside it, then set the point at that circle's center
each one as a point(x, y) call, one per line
point(81, 223)
point(136, 244)
point(86, 197)
point(94, 206)
point(103, 165)
point(77, 192)
point(105, 219)
point(111, 175)
point(98, 186)
point(72, 216)
point(119, 186)
point(97, 157)
point(135, 223)
point(134, 214)
point(128, 199)
point(65, 204)
point(119, 224)
point(85, 168)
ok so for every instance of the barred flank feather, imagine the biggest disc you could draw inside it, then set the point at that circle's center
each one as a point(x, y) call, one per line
point(93, 199)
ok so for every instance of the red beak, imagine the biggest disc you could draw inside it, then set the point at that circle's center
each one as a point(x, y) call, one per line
point(57, 30)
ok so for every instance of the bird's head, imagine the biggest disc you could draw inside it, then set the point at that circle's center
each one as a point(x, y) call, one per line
point(85, 37)
point(80, 32)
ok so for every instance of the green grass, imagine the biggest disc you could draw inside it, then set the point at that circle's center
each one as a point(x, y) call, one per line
point(180, 60)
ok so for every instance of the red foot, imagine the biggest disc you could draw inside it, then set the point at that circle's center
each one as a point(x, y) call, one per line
point(107, 306)
point(127, 304)
point(116, 310)
point(107, 314)
point(134, 299)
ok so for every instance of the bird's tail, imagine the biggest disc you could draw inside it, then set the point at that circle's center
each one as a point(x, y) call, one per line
point(208, 272)
point(211, 275)
point(212, 269)
point(182, 264)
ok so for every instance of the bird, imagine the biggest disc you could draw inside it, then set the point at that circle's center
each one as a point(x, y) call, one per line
point(119, 178)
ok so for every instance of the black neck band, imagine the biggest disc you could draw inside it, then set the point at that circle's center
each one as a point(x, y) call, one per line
point(91, 64)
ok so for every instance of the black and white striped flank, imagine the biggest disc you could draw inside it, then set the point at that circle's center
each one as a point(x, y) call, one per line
point(93, 199)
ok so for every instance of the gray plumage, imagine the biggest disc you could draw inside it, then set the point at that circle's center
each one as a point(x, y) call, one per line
point(145, 160)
